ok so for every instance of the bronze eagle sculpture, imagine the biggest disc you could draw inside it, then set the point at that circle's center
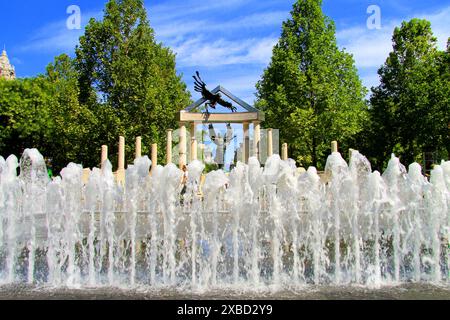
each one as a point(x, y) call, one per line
point(214, 99)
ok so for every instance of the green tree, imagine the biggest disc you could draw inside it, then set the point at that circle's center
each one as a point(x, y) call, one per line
point(74, 124)
point(311, 90)
point(410, 108)
point(127, 79)
point(25, 115)
point(44, 113)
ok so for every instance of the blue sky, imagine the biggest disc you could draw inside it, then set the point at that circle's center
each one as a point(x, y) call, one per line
point(228, 41)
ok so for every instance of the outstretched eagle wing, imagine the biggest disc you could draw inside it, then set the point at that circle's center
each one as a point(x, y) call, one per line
point(226, 104)
point(200, 86)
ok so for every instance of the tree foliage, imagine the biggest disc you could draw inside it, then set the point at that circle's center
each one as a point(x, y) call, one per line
point(25, 114)
point(44, 113)
point(74, 125)
point(127, 78)
point(410, 109)
point(121, 82)
point(311, 90)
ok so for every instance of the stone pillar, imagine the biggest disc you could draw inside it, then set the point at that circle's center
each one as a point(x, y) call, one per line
point(169, 146)
point(138, 153)
point(350, 153)
point(193, 149)
point(183, 145)
point(256, 139)
point(154, 156)
point(86, 174)
point(334, 146)
point(284, 151)
point(104, 156)
point(269, 142)
point(246, 144)
point(121, 161)
point(192, 131)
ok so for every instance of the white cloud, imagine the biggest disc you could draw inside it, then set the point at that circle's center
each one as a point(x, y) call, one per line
point(205, 43)
point(370, 79)
point(172, 10)
point(369, 47)
point(440, 22)
point(200, 35)
point(177, 28)
point(205, 34)
point(243, 86)
point(56, 37)
point(63, 40)
point(201, 52)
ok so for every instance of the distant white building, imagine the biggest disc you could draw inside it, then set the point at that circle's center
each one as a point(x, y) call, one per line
point(7, 70)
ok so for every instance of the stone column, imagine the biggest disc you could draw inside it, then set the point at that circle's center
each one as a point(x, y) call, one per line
point(269, 142)
point(246, 144)
point(85, 176)
point(193, 149)
point(284, 151)
point(334, 146)
point(104, 156)
point(350, 153)
point(121, 161)
point(192, 131)
point(169, 146)
point(183, 145)
point(138, 153)
point(256, 139)
point(154, 156)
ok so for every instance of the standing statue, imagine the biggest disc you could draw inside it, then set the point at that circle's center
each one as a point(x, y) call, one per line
point(213, 99)
point(221, 143)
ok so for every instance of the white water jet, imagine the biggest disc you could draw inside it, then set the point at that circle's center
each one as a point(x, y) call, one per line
point(71, 185)
point(250, 229)
point(312, 190)
point(171, 176)
point(2, 200)
point(395, 176)
point(153, 205)
point(376, 200)
point(418, 186)
point(358, 192)
point(214, 182)
point(195, 170)
point(11, 193)
point(107, 221)
point(337, 169)
point(437, 198)
point(34, 178)
point(253, 189)
point(93, 197)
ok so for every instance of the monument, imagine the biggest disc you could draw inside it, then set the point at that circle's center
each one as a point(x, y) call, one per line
point(7, 70)
point(193, 116)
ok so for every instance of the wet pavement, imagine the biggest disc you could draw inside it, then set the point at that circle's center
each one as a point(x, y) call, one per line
point(401, 292)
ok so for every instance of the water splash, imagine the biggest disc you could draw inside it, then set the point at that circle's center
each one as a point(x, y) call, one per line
point(254, 228)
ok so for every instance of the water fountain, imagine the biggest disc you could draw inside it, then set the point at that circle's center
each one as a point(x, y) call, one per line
point(253, 229)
